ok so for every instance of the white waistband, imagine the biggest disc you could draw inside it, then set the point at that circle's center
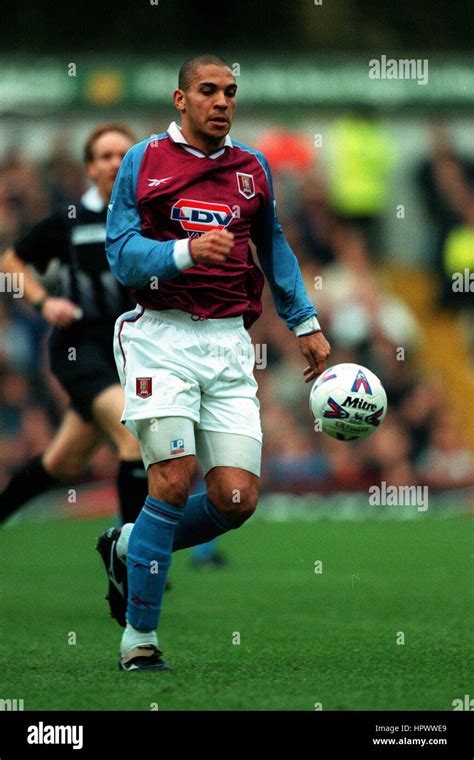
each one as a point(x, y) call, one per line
point(174, 316)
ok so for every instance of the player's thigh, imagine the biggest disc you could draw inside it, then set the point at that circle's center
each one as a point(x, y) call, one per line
point(156, 363)
point(107, 409)
point(168, 451)
point(229, 402)
point(229, 448)
point(72, 446)
point(163, 439)
point(217, 449)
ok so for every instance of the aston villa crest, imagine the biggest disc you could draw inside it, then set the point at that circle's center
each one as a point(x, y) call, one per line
point(143, 387)
point(246, 184)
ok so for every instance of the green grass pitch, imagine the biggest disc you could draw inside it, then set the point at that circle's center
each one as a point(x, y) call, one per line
point(306, 637)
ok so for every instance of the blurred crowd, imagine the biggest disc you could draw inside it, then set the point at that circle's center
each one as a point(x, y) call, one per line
point(331, 218)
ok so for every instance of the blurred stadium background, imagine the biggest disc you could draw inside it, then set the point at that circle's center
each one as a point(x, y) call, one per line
point(375, 185)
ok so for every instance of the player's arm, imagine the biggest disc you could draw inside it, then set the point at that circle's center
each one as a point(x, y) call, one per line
point(134, 258)
point(283, 274)
point(38, 247)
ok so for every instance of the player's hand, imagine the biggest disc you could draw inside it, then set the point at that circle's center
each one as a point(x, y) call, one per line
point(316, 349)
point(211, 248)
point(60, 312)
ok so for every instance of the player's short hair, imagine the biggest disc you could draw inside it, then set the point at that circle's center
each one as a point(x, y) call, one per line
point(102, 129)
point(189, 67)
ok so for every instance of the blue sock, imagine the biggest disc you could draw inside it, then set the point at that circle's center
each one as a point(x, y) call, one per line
point(200, 523)
point(148, 561)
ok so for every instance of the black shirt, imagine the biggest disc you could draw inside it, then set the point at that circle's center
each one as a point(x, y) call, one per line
point(84, 271)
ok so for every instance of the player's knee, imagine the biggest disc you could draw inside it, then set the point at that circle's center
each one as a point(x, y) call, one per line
point(242, 513)
point(235, 501)
point(63, 467)
point(172, 490)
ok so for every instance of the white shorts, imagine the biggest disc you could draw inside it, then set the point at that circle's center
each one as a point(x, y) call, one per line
point(173, 366)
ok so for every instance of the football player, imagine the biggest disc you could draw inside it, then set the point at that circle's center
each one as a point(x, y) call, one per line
point(184, 207)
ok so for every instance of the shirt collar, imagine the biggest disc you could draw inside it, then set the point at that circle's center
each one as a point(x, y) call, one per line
point(92, 201)
point(177, 136)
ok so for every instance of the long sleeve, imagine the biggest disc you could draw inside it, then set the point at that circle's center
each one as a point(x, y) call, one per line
point(279, 263)
point(134, 258)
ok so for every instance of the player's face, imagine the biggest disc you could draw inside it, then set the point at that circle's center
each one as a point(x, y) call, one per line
point(208, 105)
point(109, 151)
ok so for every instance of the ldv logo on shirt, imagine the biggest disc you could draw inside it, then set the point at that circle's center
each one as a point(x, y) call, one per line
point(200, 216)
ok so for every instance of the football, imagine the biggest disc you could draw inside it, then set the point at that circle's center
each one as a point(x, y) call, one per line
point(348, 402)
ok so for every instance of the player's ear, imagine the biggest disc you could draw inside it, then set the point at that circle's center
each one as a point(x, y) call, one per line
point(179, 99)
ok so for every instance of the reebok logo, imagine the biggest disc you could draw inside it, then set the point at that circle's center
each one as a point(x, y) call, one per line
point(45, 734)
point(156, 182)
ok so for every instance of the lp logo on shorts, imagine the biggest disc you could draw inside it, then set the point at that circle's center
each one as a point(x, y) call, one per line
point(143, 386)
point(177, 446)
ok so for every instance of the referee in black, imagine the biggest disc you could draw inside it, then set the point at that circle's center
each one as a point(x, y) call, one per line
point(80, 344)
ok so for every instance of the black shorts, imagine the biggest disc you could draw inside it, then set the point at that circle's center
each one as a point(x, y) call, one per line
point(93, 368)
